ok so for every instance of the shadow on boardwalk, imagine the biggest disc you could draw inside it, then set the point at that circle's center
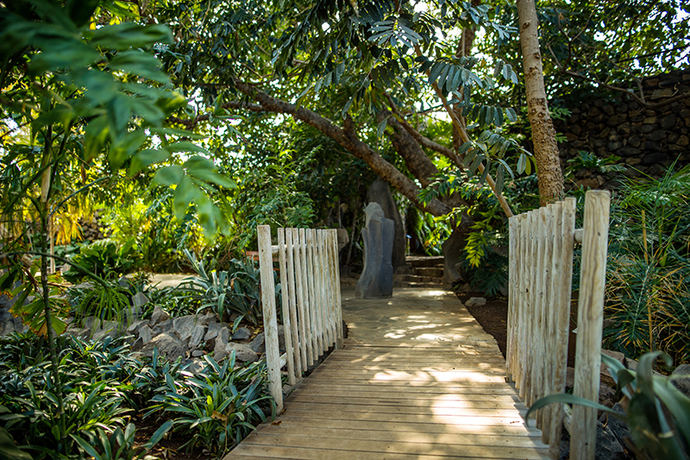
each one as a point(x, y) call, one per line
point(416, 378)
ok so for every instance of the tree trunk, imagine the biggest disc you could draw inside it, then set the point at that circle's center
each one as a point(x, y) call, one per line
point(549, 174)
point(452, 251)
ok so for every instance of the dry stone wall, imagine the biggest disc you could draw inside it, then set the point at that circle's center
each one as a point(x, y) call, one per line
point(647, 139)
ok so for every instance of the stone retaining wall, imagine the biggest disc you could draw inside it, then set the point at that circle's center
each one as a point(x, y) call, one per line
point(612, 124)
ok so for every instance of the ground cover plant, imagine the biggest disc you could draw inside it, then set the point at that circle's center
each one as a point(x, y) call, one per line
point(107, 391)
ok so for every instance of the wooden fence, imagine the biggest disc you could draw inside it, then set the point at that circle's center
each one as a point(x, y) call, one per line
point(311, 303)
point(540, 273)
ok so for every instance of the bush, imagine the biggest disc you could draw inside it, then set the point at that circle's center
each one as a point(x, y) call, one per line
point(219, 406)
point(103, 258)
point(227, 292)
point(648, 295)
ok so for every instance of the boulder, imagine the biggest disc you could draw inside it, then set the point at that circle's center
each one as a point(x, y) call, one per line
point(212, 331)
point(159, 315)
point(164, 326)
point(197, 336)
point(258, 343)
point(681, 378)
point(242, 334)
point(168, 346)
point(145, 333)
point(221, 344)
point(242, 351)
point(134, 327)
point(475, 302)
point(379, 192)
point(206, 318)
point(376, 279)
point(184, 326)
point(106, 329)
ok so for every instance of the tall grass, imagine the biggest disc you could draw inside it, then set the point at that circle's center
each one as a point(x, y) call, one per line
point(648, 292)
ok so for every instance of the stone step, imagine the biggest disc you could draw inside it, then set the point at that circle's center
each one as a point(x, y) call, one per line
point(424, 261)
point(436, 272)
point(418, 278)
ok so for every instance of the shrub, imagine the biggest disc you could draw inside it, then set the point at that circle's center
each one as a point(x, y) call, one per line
point(217, 407)
point(648, 295)
point(103, 258)
point(226, 292)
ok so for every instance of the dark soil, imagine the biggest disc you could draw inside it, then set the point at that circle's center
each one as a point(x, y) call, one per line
point(493, 318)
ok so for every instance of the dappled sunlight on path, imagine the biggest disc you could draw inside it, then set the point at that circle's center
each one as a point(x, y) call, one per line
point(417, 378)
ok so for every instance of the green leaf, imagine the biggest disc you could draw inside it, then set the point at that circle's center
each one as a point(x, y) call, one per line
point(140, 63)
point(169, 175)
point(185, 146)
point(381, 128)
point(159, 433)
point(568, 399)
point(186, 193)
point(146, 158)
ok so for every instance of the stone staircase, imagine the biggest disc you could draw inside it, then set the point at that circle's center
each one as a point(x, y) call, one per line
point(423, 271)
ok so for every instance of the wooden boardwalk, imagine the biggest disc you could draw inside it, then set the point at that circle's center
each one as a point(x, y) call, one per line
point(417, 378)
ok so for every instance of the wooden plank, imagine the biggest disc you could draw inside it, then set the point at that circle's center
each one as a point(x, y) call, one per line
point(589, 321)
point(427, 426)
point(400, 398)
point(345, 410)
point(473, 438)
point(360, 445)
point(308, 453)
point(467, 390)
point(336, 283)
point(285, 297)
point(491, 402)
point(268, 301)
point(304, 289)
point(297, 334)
point(563, 269)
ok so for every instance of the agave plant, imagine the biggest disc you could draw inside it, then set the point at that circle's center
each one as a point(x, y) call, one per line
point(225, 292)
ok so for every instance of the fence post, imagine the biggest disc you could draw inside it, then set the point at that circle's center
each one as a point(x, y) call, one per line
point(589, 322)
point(268, 301)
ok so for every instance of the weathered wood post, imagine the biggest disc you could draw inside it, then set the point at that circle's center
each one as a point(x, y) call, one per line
point(268, 301)
point(589, 322)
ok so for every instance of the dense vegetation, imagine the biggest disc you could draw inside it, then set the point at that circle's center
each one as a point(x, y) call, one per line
point(143, 137)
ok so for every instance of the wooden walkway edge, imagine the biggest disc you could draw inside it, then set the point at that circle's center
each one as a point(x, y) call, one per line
point(417, 377)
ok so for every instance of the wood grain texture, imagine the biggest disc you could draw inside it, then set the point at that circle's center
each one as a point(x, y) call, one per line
point(416, 378)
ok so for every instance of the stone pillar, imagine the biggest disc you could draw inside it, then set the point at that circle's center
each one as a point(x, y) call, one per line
point(376, 279)
point(380, 192)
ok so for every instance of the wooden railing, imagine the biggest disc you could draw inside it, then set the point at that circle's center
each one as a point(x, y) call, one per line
point(540, 273)
point(311, 303)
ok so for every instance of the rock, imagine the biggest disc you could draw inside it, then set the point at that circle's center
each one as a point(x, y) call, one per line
point(195, 366)
point(81, 332)
point(681, 378)
point(138, 344)
point(243, 352)
point(184, 325)
point(258, 344)
point(379, 192)
point(134, 327)
point(145, 333)
point(221, 344)
point(376, 279)
point(212, 331)
point(475, 302)
point(159, 315)
point(197, 336)
point(206, 318)
point(139, 299)
point(197, 353)
point(164, 326)
point(107, 329)
point(123, 282)
point(168, 346)
point(241, 334)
